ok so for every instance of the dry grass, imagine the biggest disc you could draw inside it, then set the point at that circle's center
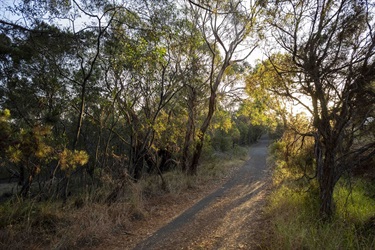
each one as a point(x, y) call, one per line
point(90, 225)
point(89, 219)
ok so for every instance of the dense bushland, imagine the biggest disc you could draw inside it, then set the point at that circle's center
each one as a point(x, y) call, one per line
point(98, 97)
point(293, 205)
point(93, 215)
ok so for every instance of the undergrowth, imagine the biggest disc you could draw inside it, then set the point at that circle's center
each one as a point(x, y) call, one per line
point(93, 214)
point(293, 208)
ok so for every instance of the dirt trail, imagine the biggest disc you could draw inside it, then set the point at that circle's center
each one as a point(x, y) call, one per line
point(229, 218)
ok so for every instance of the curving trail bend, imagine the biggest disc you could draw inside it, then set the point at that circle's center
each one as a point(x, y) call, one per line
point(229, 218)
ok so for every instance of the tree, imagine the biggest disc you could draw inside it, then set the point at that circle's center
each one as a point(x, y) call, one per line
point(331, 50)
point(134, 84)
point(195, 65)
point(44, 64)
point(146, 70)
point(266, 105)
point(225, 26)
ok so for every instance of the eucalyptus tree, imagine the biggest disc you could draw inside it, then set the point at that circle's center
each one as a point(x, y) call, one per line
point(31, 85)
point(264, 87)
point(50, 64)
point(227, 28)
point(146, 68)
point(331, 51)
point(195, 67)
point(34, 92)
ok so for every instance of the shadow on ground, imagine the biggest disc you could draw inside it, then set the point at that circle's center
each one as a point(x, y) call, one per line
point(227, 218)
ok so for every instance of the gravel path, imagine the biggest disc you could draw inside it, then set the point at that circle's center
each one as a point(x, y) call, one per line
point(229, 218)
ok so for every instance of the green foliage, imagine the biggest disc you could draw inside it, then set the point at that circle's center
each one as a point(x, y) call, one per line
point(257, 112)
point(224, 132)
point(5, 130)
point(36, 145)
point(266, 105)
point(294, 204)
point(294, 214)
point(213, 168)
point(17, 212)
point(310, 76)
point(110, 93)
point(221, 141)
point(222, 121)
point(31, 152)
point(355, 201)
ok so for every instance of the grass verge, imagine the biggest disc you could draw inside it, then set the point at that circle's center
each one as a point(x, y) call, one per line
point(293, 209)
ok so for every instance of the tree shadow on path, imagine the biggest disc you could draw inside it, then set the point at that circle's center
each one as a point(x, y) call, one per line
point(221, 215)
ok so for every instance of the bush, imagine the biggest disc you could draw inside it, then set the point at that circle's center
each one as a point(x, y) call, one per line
point(293, 205)
point(89, 216)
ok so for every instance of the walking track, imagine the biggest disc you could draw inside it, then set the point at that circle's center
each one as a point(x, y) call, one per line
point(229, 218)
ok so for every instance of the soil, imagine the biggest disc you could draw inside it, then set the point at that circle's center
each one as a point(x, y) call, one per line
point(223, 215)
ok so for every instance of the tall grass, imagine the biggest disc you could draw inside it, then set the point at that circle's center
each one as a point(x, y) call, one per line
point(89, 217)
point(293, 208)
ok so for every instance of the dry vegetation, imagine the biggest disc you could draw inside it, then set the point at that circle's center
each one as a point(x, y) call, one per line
point(91, 220)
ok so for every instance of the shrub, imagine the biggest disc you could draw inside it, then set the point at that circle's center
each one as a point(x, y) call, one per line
point(293, 205)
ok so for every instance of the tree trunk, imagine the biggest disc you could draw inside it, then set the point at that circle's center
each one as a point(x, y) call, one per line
point(198, 148)
point(80, 116)
point(327, 179)
point(207, 121)
point(137, 163)
point(189, 131)
point(326, 185)
point(27, 183)
point(195, 160)
point(21, 178)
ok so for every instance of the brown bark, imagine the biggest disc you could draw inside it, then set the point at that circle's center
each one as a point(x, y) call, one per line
point(327, 181)
point(335, 65)
point(218, 31)
point(27, 183)
point(195, 160)
point(202, 131)
point(189, 130)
